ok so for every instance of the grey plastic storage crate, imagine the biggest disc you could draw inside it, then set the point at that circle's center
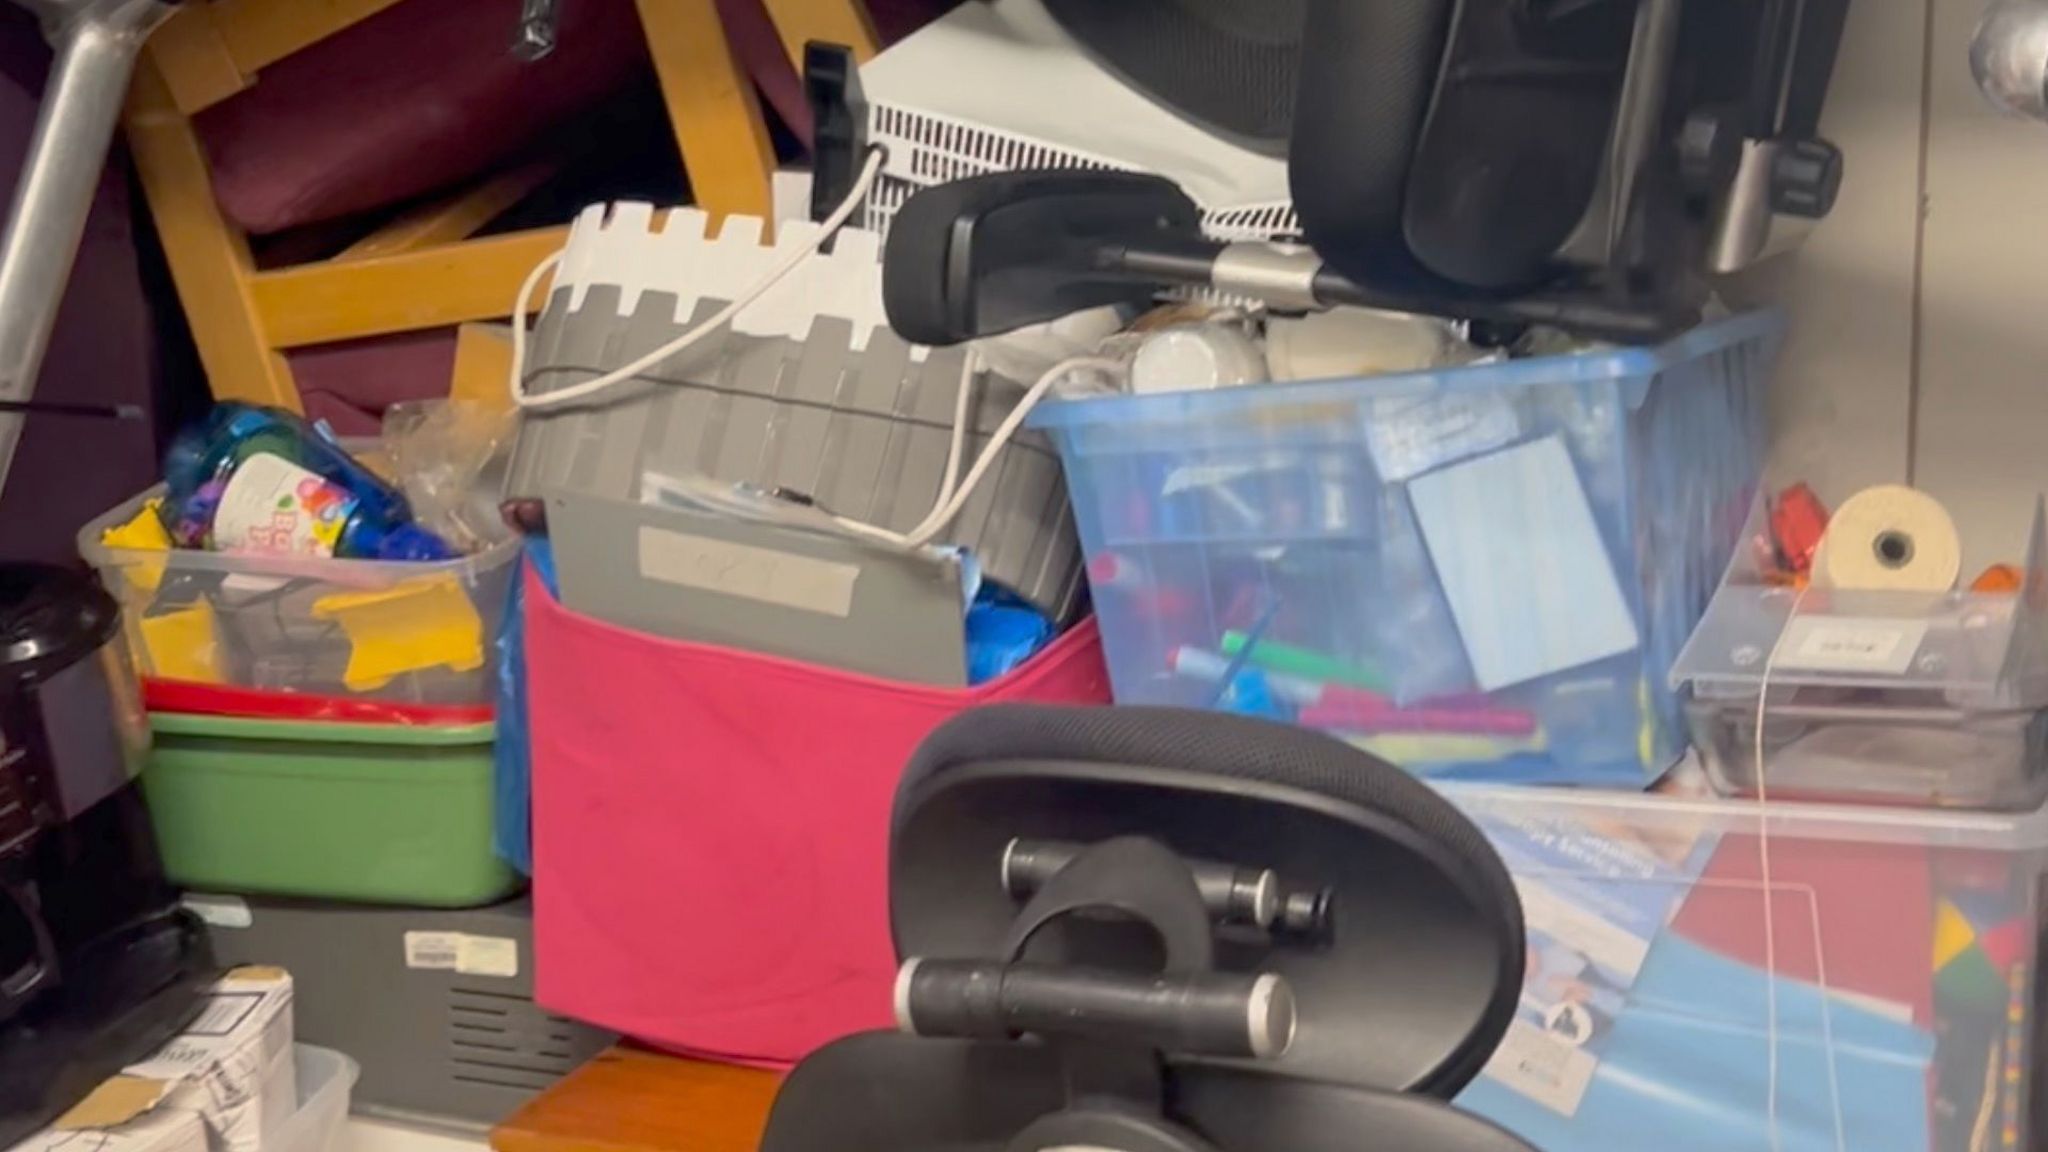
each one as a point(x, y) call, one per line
point(807, 392)
point(436, 1005)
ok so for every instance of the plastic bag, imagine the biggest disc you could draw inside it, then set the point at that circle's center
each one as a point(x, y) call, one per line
point(449, 457)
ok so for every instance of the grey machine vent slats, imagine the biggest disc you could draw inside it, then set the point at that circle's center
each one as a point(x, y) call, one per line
point(504, 1040)
point(438, 1046)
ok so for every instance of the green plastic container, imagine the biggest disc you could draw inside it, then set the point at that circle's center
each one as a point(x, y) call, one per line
point(374, 813)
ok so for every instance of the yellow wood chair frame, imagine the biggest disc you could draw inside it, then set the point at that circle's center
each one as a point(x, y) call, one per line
point(423, 270)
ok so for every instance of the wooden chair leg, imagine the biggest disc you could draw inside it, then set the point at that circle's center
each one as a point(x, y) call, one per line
point(483, 365)
point(209, 258)
point(711, 106)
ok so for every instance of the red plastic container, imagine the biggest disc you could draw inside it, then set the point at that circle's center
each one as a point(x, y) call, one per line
point(710, 830)
point(184, 696)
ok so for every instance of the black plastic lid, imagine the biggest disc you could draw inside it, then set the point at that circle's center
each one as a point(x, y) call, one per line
point(50, 618)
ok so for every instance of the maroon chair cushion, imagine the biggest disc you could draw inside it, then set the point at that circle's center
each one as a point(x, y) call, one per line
point(349, 385)
point(418, 98)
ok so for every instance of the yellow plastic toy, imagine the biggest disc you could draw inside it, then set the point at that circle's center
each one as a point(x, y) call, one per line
point(183, 644)
point(143, 532)
point(408, 627)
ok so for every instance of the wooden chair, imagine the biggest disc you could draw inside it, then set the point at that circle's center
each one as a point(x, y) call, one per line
point(423, 270)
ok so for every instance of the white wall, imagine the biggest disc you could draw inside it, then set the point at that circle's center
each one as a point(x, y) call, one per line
point(1920, 308)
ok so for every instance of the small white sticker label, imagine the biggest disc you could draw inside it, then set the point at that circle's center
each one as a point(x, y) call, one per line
point(1411, 435)
point(433, 950)
point(462, 953)
point(1549, 1067)
point(488, 956)
point(1851, 644)
point(220, 911)
point(763, 574)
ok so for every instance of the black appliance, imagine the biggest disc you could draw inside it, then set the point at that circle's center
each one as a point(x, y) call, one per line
point(99, 967)
point(1152, 930)
point(1585, 163)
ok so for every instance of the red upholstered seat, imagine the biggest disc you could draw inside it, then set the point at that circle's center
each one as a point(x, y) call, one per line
point(421, 97)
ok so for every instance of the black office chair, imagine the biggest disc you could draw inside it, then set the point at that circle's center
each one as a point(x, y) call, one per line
point(1586, 163)
point(1160, 931)
point(1472, 147)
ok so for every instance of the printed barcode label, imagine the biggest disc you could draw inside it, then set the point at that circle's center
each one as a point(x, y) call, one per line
point(433, 950)
point(1851, 644)
point(463, 953)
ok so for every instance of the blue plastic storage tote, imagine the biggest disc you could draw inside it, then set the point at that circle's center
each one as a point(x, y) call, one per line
point(1482, 573)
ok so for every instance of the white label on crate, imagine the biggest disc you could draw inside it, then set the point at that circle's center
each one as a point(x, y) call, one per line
point(220, 911)
point(762, 574)
point(272, 505)
point(1850, 644)
point(1411, 435)
point(433, 950)
point(487, 956)
point(462, 953)
point(1548, 1066)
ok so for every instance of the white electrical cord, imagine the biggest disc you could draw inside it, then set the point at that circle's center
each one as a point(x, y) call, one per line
point(1763, 849)
point(588, 388)
point(1763, 852)
point(953, 499)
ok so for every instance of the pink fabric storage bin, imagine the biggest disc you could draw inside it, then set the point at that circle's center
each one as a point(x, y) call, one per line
point(710, 830)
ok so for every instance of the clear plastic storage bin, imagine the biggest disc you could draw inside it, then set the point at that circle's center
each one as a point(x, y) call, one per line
point(418, 633)
point(1482, 572)
point(1925, 698)
point(1893, 987)
point(326, 1080)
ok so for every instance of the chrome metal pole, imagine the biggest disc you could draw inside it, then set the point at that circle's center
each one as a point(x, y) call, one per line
point(96, 43)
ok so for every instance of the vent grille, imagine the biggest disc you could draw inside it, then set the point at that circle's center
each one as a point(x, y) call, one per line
point(502, 1039)
point(926, 150)
point(940, 150)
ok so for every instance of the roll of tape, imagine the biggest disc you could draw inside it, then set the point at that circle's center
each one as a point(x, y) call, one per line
point(1890, 538)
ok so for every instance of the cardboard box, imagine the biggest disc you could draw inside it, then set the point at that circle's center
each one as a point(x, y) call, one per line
point(155, 1130)
point(223, 1085)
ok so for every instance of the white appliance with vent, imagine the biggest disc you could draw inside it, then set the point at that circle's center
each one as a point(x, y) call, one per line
point(1000, 86)
point(435, 1005)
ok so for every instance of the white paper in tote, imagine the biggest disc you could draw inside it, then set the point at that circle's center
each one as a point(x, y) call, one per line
point(1522, 564)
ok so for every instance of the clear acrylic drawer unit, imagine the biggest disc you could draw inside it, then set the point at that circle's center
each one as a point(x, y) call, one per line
point(1479, 573)
point(1894, 990)
point(1920, 698)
